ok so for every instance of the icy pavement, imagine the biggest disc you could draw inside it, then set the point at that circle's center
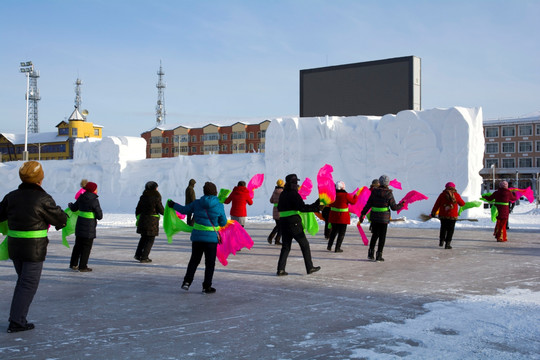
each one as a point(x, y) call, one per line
point(480, 300)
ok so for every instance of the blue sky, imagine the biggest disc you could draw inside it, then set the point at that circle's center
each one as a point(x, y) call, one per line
point(227, 61)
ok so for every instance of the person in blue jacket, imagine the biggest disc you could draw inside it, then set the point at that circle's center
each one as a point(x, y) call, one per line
point(208, 214)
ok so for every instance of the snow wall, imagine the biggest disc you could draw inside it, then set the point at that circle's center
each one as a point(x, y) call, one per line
point(422, 149)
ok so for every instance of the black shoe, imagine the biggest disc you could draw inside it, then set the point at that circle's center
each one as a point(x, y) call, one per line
point(339, 250)
point(441, 243)
point(379, 257)
point(146, 260)
point(282, 273)
point(371, 254)
point(85, 270)
point(14, 327)
point(209, 290)
point(447, 247)
point(185, 285)
point(138, 258)
point(74, 268)
point(329, 248)
point(269, 239)
point(314, 269)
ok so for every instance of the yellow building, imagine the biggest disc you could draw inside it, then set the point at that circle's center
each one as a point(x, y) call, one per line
point(49, 145)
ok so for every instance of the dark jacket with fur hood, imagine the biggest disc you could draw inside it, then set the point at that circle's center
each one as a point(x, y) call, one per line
point(30, 208)
point(381, 197)
point(148, 209)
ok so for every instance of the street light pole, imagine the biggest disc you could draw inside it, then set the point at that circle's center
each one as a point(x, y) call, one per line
point(493, 167)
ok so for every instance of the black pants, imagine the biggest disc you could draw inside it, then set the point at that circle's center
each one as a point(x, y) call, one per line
point(293, 230)
point(28, 276)
point(198, 248)
point(338, 230)
point(379, 233)
point(145, 245)
point(447, 230)
point(276, 231)
point(81, 252)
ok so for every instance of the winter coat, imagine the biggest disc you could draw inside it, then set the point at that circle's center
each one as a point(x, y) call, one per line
point(190, 192)
point(290, 200)
point(381, 197)
point(207, 211)
point(26, 209)
point(87, 202)
point(343, 199)
point(239, 198)
point(274, 199)
point(447, 205)
point(148, 210)
point(502, 196)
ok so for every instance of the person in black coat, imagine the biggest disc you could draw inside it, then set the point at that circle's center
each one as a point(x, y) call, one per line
point(29, 211)
point(289, 206)
point(381, 201)
point(147, 212)
point(190, 197)
point(89, 211)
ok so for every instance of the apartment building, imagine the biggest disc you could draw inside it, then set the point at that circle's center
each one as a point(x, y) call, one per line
point(170, 141)
point(512, 152)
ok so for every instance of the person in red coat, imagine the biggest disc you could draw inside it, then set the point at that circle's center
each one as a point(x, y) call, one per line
point(239, 198)
point(447, 205)
point(339, 215)
point(502, 197)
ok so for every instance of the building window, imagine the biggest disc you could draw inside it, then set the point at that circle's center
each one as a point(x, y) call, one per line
point(184, 138)
point(525, 130)
point(508, 131)
point(155, 151)
point(251, 135)
point(492, 148)
point(525, 146)
point(63, 131)
point(509, 147)
point(213, 148)
point(96, 132)
point(176, 138)
point(490, 162)
point(538, 162)
point(74, 132)
point(156, 140)
point(234, 147)
point(492, 132)
point(250, 146)
point(538, 146)
point(193, 138)
point(193, 149)
point(223, 148)
point(184, 149)
point(242, 147)
point(238, 135)
point(166, 140)
point(166, 150)
point(509, 163)
point(209, 137)
point(224, 137)
point(525, 162)
point(538, 130)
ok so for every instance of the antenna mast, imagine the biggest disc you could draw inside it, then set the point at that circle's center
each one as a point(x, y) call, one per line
point(160, 107)
point(78, 99)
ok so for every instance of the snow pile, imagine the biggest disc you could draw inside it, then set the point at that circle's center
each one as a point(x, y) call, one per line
point(423, 150)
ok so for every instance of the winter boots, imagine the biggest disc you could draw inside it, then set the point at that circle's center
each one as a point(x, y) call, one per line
point(271, 236)
point(370, 254)
point(379, 256)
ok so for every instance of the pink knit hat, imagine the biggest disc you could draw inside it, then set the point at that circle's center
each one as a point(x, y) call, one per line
point(450, 185)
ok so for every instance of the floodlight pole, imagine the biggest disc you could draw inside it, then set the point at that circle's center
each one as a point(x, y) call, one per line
point(26, 67)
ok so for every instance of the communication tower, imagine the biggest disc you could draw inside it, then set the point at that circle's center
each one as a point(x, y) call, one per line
point(78, 99)
point(32, 95)
point(160, 107)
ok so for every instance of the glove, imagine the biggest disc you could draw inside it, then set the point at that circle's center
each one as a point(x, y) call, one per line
point(170, 203)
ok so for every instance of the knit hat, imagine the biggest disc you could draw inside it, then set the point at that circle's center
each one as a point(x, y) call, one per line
point(450, 185)
point(280, 183)
point(90, 186)
point(31, 172)
point(375, 182)
point(151, 185)
point(241, 183)
point(291, 178)
point(503, 185)
point(209, 188)
point(340, 185)
point(384, 180)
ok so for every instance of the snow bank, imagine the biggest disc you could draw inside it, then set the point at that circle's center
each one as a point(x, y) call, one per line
point(423, 150)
